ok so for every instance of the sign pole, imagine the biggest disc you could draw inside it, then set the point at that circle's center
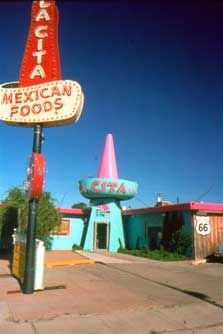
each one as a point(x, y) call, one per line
point(40, 98)
point(29, 274)
point(37, 138)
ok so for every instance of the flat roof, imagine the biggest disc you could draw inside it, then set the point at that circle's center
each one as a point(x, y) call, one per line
point(190, 206)
point(75, 212)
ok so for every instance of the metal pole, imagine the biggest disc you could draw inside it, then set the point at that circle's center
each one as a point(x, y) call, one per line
point(37, 138)
point(28, 285)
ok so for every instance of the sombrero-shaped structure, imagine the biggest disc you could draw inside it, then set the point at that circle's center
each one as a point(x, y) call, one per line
point(104, 230)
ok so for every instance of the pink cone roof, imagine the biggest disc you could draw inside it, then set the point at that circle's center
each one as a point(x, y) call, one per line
point(108, 167)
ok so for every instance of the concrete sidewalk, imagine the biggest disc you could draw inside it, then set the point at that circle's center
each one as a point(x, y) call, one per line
point(126, 296)
point(104, 257)
point(143, 321)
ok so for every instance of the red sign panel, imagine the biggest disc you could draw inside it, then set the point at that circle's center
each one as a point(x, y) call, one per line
point(35, 177)
point(41, 61)
point(40, 96)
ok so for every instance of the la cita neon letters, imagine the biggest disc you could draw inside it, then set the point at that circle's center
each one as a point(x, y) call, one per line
point(40, 32)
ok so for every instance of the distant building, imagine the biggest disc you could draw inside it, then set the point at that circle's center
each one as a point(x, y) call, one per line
point(164, 203)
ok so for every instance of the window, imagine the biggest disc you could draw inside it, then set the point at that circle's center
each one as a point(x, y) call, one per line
point(64, 228)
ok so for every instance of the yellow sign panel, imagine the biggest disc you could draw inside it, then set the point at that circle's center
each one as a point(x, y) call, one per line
point(18, 263)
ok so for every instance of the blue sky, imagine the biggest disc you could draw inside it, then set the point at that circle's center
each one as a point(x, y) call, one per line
point(152, 75)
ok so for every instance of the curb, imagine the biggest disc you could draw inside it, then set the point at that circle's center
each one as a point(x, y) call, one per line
point(51, 264)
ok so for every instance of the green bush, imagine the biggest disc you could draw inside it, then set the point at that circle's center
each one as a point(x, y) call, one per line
point(175, 239)
point(76, 247)
point(161, 254)
point(14, 213)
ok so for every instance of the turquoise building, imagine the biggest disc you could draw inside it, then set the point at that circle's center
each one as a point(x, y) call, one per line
point(202, 223)
point(102, 226)
point(105, 226)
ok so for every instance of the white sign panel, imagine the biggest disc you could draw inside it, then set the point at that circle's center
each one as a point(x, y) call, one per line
point(52, 103)
point(203, 225)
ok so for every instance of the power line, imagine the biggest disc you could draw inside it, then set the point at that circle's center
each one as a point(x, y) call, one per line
point(141, 201)
point(205, 193)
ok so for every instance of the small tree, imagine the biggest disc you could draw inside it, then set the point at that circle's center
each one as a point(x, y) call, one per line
point(175, 239)
point(10, 214)
point(80, 205)
point(48, 218)
point(14, 213)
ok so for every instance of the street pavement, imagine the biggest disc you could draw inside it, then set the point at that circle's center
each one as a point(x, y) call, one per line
point(117, 294)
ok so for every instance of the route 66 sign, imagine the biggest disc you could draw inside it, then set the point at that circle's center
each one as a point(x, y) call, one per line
point(203, 225)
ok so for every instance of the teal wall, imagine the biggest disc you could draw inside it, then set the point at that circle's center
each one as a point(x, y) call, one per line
point(136, 228)
point(113, 218)
point(82, 229)
point(89, 239)
point(127, 231)
point(117, 239)
point(65, 242)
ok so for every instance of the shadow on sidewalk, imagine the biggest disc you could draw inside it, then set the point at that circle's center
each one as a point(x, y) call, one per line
point(194, 294)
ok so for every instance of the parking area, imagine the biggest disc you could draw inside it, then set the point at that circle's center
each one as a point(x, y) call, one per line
point(123, 294)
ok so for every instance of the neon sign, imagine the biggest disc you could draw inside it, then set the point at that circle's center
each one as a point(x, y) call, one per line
point(40, 96)
point(41, 62)
point(100, 187)
point(51, 103)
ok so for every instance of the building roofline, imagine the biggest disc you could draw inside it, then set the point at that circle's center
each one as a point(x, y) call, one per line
point(190, 206)
point(75, 211)
point(206, 206)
